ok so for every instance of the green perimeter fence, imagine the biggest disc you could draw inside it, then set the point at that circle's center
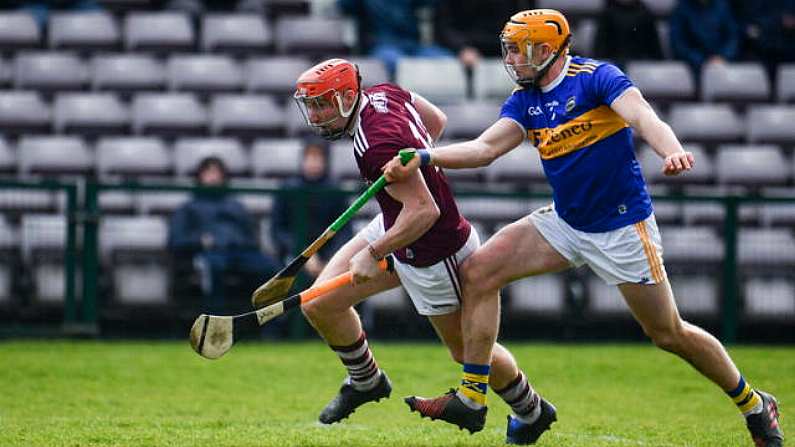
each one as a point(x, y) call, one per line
point(89, 258)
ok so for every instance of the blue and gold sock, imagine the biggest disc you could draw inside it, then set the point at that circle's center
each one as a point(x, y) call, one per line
point(474, 385)
point(746, 399)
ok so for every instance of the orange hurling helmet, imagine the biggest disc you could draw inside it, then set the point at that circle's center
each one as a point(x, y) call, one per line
point(530, 28)
point(320, 92)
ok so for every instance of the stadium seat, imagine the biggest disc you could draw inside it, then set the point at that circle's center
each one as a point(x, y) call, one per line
point(752, 165)
point(311, 35)
point(169, 114)
point(189, 152)
point(371, 69)
point(496, 209)
point(54, 155)
point(768, 248)
point(652, 164)
point(584, 37)
point(88, 31)
point(778, 214)
point(521, 166)
point(390, 301)
point(714, 212)
point(246, 116)
point(491, 81)
point(666, 212)
point(16, 201)
point(544, 294)
point(165, 202)
point(769, 298)
point(158, 31)
point(605, 300)
point(574, 7)
point(771, 124)
point(43, 244)
point(9, 245)
point(274, 75)
point(735, 82)
point(90, 114)
point(258, 204)
point(660, 8)
point(127, 73)
point(276, 158)
point(468, 119)
point(343, 163)
point(786, 82)
point(23, 112)
point(204, 73)
point(696, 295)
point(235, 33)
point(691, 245)
point(662, 80)
point(49, 71)
point(18, 30)
point(8, 157)
point(116, 202)
point(706, 123)
point(6, 73)
point(128, 156)
point(133, 248)
point(439, 80)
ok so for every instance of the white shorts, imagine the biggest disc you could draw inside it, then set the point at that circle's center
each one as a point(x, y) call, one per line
point(628, 254)
point(434, 290)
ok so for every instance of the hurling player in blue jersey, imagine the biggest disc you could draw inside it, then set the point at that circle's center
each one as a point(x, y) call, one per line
point(580, 114)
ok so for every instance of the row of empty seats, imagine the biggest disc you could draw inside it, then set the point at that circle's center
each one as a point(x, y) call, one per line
point(440, 79)
point(732, 164)
point(174, 31)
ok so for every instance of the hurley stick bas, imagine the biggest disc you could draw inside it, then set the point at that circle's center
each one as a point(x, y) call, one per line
point(212, 336)
point(276, 288)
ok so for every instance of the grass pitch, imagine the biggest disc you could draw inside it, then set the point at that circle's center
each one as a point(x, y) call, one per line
point(269, 394)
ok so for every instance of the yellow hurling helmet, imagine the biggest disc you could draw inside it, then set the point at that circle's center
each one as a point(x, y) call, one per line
point(533, 27)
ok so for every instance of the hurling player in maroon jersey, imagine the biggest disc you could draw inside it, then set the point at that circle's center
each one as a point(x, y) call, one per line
point(419, 225)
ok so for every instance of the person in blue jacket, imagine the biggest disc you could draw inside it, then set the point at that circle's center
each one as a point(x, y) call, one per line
point(216, 231)
point(704, 32)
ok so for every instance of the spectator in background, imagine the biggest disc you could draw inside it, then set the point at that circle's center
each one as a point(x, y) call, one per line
point(626, 31)
point(389, 29)
point(40, 9)
point(217, 233)
point(704, 32)
point(768, 31)
point(321, 209)
point(467, 27)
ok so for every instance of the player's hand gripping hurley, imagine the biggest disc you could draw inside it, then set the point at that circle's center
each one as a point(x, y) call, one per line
point(279, 286)
point(212, 336)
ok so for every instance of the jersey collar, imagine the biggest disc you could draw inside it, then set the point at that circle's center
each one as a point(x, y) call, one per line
point(559, 79)
point(362, 102)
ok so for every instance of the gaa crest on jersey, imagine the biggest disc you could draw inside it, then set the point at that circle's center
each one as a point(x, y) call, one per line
point(571, 103)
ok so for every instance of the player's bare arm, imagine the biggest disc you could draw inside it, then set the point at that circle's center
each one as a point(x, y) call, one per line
point(432, 117)
point(639, 114)
point(500, 138)
point(417, 216)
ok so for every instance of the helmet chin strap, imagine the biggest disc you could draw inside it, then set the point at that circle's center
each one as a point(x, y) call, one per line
point(532, 82)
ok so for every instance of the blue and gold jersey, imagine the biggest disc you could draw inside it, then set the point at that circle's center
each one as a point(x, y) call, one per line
point(586, 148)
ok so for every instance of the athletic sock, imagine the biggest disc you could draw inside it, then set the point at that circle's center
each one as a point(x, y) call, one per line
point(363, 372)
point(474, 385)
point(746, 399)
point(524, 401)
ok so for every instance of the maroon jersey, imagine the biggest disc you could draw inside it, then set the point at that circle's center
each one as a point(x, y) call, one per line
point(388, 122)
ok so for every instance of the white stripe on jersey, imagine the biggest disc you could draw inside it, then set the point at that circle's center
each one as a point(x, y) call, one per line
point(360, 131)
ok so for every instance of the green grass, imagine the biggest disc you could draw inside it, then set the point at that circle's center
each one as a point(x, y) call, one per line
point(269, 394)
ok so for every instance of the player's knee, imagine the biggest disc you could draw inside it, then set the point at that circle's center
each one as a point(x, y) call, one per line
point(475, 277)
point(669, 339)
